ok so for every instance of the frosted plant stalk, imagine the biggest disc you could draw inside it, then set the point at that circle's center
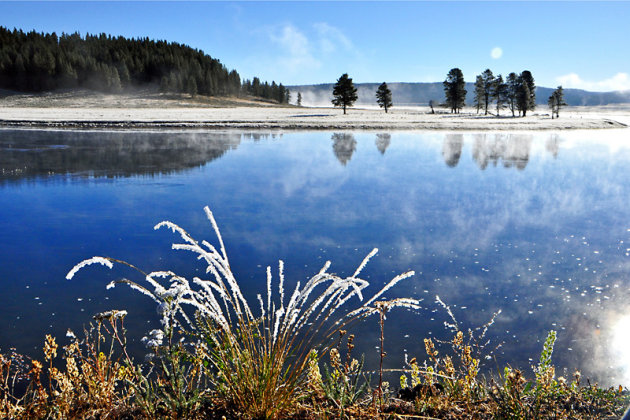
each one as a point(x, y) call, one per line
point(281, 286)
point(454, 326)
point(94, 260)
point(268, 289)
point(304, 323)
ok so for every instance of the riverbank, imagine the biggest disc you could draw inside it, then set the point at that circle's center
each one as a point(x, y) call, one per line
point(92, 110)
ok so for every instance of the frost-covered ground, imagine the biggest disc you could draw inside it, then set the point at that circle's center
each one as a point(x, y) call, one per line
point(153, 111)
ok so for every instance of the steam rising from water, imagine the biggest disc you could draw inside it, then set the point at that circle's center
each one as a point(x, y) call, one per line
point(620, 346)
point(618, 82)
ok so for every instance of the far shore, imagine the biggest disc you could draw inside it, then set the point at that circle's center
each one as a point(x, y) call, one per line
point(90, 111)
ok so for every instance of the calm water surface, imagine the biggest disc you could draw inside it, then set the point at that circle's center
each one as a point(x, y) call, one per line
point(534, 224)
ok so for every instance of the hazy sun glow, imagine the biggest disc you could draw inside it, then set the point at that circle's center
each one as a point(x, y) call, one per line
point(496, 53)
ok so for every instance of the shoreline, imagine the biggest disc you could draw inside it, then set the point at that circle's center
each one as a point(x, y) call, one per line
point(295, 119)
point(280, 125)
point(144, 110)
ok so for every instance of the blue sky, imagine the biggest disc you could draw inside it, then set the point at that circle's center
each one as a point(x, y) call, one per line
point(576, 44)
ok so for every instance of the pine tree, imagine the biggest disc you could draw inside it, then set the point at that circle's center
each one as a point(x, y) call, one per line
point(559, 93)
point(512, 83)
point(488, 83)
point(499, 92)
point(384, 96)
point(114, 80)
point(522, 99)
point(455, 90)
point(299, 99)
point(527, 92)
point(191, 86)
point(344, 92)
point(173, 82)
point(552, 104)
point(556, 101)
point(125, 77)
point(478, 92)
point(256, 87)
point(234, 82)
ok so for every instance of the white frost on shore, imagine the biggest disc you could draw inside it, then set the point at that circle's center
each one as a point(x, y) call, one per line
point(111, 111)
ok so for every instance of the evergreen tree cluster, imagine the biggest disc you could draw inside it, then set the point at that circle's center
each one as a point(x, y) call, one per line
point(273, 91)
point(345, 94)
point(38, 62)
point(517, 92)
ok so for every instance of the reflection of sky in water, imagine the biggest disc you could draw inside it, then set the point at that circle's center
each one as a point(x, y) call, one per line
point(535, 224)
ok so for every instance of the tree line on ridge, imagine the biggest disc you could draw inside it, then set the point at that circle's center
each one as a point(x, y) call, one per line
point(39, 62)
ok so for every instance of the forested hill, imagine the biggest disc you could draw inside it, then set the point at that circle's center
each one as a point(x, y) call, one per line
point(419, 94)
point(37, 62)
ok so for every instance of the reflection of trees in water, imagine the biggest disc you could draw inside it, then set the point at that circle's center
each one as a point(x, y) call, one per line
point(344, 146)
point(27, 154)
point(553, 145)
point(256, 136)
point(383, 141)
point(452, 149)
point(512, 149)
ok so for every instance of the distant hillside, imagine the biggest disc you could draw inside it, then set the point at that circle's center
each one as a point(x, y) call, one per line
point(411, 94)
point(38, 62)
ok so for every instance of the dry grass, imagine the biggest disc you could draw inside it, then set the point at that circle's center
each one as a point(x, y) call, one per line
point(141, 98)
